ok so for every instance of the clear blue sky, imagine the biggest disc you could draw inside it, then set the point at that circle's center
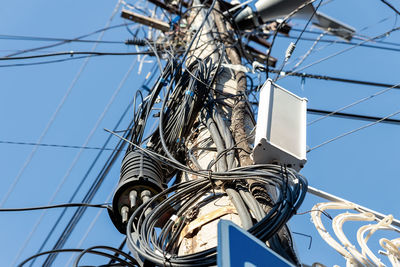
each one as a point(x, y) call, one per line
point(361, 167)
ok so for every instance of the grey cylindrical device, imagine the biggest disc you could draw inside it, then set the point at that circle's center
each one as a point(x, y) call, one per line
point(268, 10)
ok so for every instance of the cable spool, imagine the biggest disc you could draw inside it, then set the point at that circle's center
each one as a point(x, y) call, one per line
point(141, 178)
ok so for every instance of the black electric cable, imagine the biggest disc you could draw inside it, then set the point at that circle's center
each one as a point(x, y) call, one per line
point(88, 197)
point(337, 79)
point(343, 50)
point(341, 42)
point(67, 41)
point(391, 6)
point(121, 246)
point(96, 159)
point(292, 47)
point(37, 38)
point(66, 205)
point(92, 190)
point(143, 226)
point(353, 116)
point(52, 145)
point(72, 53)
point(56, 251)
point(132, 262)
point(42, 62)
point(344, 42)
point(280, 26)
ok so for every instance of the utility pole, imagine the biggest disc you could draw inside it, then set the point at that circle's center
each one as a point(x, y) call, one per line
point(237, 121)
point(205, 138)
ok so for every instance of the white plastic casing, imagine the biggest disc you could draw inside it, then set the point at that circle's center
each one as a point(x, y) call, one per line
point(281, 127)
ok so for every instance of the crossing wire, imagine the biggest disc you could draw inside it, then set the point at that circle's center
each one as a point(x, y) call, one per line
point(88, 197)
point(353, 131)
point(49, 124)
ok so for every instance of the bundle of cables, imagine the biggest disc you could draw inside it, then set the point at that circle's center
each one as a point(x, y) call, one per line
point(181, 109)
point(154, 228)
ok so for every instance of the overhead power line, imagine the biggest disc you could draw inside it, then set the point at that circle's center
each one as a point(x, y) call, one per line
point(102, 31)
point(391, 6)
point(344, 42)
point(344, 50)
point(51, 121)
point(353, 131)
point(51, 145)
point(90, 193)
point(352, 116)
point(341, 42)
point(37, 38)
point(83, 180)
point(88, 138)
point(72, 53)
point(353, 104)
point(66, 205)
point(337, 79)
point(43, 62)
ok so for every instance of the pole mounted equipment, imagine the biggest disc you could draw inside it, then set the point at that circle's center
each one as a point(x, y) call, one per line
point(141, 178)
point(269, 10)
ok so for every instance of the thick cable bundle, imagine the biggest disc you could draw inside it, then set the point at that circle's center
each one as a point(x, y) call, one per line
point(180, 111)
point(158, 246)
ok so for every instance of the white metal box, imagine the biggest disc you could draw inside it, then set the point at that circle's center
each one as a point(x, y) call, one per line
point(281, 127)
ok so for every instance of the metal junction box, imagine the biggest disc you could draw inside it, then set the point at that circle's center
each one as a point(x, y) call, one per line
point(281, 127)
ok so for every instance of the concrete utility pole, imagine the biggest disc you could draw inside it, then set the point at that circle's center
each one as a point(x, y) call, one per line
point(206, 130)
point(234, 118)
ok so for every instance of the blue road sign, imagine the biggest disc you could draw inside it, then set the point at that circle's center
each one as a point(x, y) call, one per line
point(238, 248)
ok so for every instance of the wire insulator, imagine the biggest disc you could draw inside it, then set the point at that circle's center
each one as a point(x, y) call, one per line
point(135, 41)
point(289, 50)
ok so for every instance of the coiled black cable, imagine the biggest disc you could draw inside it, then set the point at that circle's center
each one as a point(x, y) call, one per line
point(159, 248)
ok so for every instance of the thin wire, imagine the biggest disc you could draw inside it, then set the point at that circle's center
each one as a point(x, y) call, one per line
point(52, 145)
point(354, 103)
point(392, 7)
point(78, 155)
point(338, 79)
point(37, 38)
point(353, 131)
point(89, 229)
point(62, 239)
point(66, 205)
point(43, 62)
point(85, 144)
point(72, 53)
point(280, 25)
point(53, 117)
point(298, 38)
point(102, 31)
point(344, 43)
point(344, 50)
point(304, 57)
